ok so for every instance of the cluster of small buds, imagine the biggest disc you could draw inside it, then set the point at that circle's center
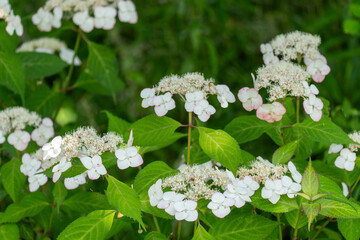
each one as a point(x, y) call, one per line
point(87, 14)
point(347, 157)
point(50, 45)
point(13, 21)
point(13, 122)
point(193, 88)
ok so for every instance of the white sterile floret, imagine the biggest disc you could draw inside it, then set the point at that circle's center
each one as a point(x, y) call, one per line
point(272, 190)
point(58, 14)
point(346, 160)
point(204, 110)
point(294, 172)
point(186, 210)
point(44, 132)
point(67, 55)
point(148, 95)
point(220, 204)
point(250, 98)
point(94, 166)
point(60, 168)
point(266, 48)
point(52, 149)
point(14, 24)
point(84, 21)
point(128, 157)
point(127, 11)
point(2, 137)
point(37, 180)
point(74, 182)
point(224, 95)
point(104, 17)
point(270, 58)
point(313, 106)
point(290, 188)
point(43, 20)
point(345, 189)
point(29, 165)
point(155, 193)
point(241, 190)
point(5, 6)
point(318, 69)
point(163, 104)
point(19, 139)
point(312, 89)
point(335, 148)
point(192, 99)
point(168, 200)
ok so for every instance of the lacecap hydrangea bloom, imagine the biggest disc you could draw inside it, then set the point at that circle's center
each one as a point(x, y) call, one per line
point(51, 46)
point(85, 144)
point(87, 14)
point(13, 21)
point(15, 123)
point(192, 88)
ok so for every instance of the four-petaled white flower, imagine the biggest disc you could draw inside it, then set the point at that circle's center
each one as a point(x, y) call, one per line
point(155, 193)
point(271, 112)
point(346, 160)
point(104, 17)
point(29, 165)
point(2, 137)
point(163, 104)
point(220, 204)
point(56, 19)
point(313, 106)
point(14, 24)
point(74, 182)
point(224, 95)
point(204, 110)
point(192, 99)
point(60, 168)
point(250, 98)
point(84, 21)
point(335, 148)
point(128, 157)
point(186, 210)
point(168, 200)
point(94, 166)
point(44, 132)
point(127, 12)
point(241, 190)
point(52, 149)
point(43, 20)
point(294, 172)
point(272, 190)
point(67, 56)
point(148, 95)
point(5, 6)
point(19, 139)
point(270, 58)
point(266, 48)
point(318, 68)
point(290, 188)
point(312, 89)
point(37, 180)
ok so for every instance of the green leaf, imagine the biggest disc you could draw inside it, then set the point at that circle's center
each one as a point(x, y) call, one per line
point(85, 202)
point(116, 124)
point(247, 128)
point(220, 146)
point(9, 232)
point(29, 206)
point(95, 226)
point(76, 168)
point(285, 204)
point(338, 209)
point(12, 179)
point(155, 236)
point(89, 83)
point(149, 175)
point(296, 219)
point(351, 26)
point(59, 193)
point(11, 74)
point(37, 65)
point(102, 64)
point(355, 9)
point(197, 155)
point(284, 153)
point(311, 210)
point(349, 228)
point(153, 130)
point(43, 100)
point(202, 234)
point(243, 228)
point(124, 199)
point(275, 135)
point(324, 131)
point(310, 181)
point(8, 43)
point(176, 136)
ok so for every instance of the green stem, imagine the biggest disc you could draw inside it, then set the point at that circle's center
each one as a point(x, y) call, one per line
point(179, 230)
point(320, 229)
point(189, 139)
point(297, 110)
point(156, 224)
point(295, 237)
point(279, 221)
point(48, 228)
point(355, 184)
point(70, 72)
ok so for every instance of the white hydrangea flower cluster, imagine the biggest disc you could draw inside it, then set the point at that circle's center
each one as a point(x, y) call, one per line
point(193, 88)
point(347, 157)
point(222, 188)
point(13, 122)
point(13, 21)
point(85, 144)
point(51, 46)
point(87, 14)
